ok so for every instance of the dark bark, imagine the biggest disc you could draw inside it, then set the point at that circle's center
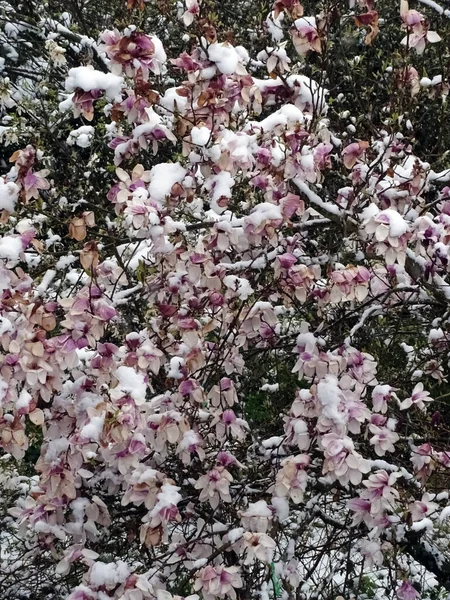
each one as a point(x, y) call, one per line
point(424, 555)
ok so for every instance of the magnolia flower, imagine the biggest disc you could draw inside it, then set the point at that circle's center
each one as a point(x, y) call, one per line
point(82, 592)
point(409, 76)
point(6, 100)
point(166, 509)
point(353, 152)
point(215, 486)
point(83, 103)
point(305, 35)
point(417, 28)
point(56, 53)
point(33, 182)
point(139, 213)
point(420, 509)
point(361, 366)
point(257, 517)
point(368, 19)
point(341, 459)
point(192, 9)
point(143, 487)
point(322, 156)
point(228, 423)
point(276, 59)
point(422, 458)
point(407, 592)
point(418, 398)
point(371, 550)
point(387, 225)
point(292, 478)
point(123, 191)
point(223, 394)
point(292, 7)
point(190, 443)
point(218, 582)
point(362, 508)
point(73, 554)
point(134, 53)
point(297, 433)
point(390, 230)
point(351, 283)
point(381, 395)
point(166, 427)
point(257, 546)
point(380, 491)
point(384, 436)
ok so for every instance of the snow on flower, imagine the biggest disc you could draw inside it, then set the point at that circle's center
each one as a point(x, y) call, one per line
point(390, 231)
point(175, 331)
point(108, 574)
point(56, 53)
point(381, 396)
point(239, 285)
point(88, 79)
point(82, 136)
point(11, 247)
point(226, 57)
point(257, 517)
point(9, 194)
point(373, 555)
point(130, 382)
point(305, 35)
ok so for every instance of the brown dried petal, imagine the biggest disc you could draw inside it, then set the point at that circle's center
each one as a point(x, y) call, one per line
point(77, 229)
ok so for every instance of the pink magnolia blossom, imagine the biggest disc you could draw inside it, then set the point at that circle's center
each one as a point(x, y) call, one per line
point(423, 460)
point(33, 182)
point(292, 478)
point(407, 592)
point(351, 283)
point(417, 29)
point(168, 358)
point(381, 395)
point(418, 398)
point(420, 509)
point(218, 582)
point(215, 486)
point(353, 152)
point(380, 491)
point(257, 546)
point(305, 35)
point(362, 508)
point(133, 53)
point(192, 10)
point(384, 436)
point(342, 462)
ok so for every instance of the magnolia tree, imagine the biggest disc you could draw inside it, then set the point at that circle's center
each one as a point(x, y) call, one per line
point(225, 292)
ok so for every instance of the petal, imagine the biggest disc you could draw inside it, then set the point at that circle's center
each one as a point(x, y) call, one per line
point(433, 37)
